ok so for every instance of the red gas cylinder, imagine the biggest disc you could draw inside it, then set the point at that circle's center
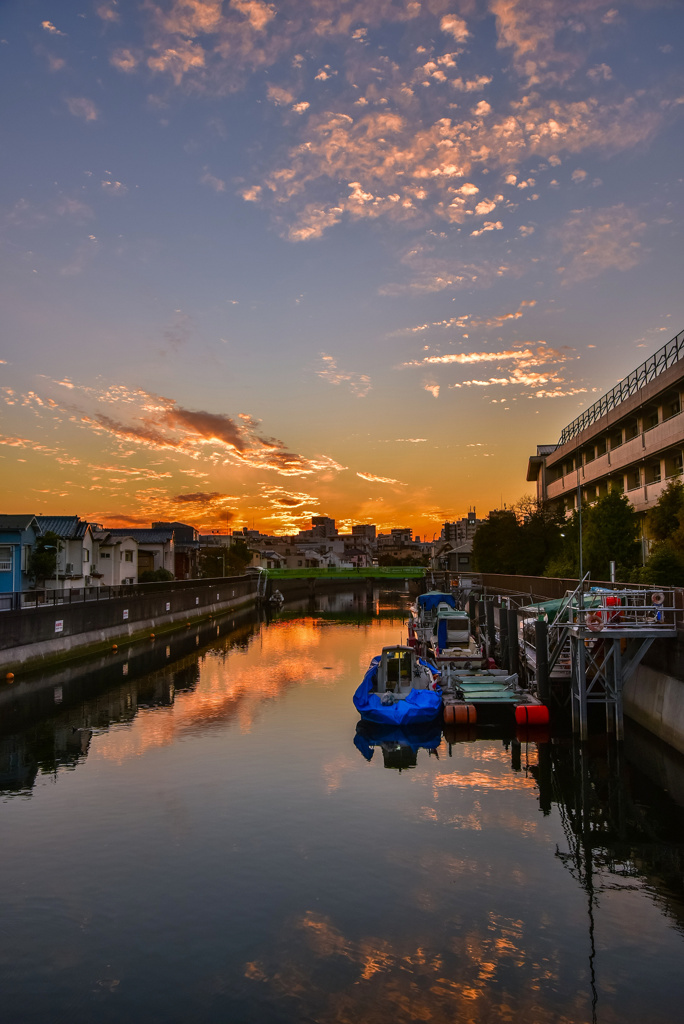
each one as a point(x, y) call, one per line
point(612, 604)
point(531, 714)
point(460, 714)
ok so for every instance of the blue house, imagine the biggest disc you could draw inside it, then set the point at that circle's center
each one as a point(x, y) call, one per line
point(18, 534)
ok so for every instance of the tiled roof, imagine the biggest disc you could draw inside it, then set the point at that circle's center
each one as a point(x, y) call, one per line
point(15, 522)
point(144, 536)
point(66, 527)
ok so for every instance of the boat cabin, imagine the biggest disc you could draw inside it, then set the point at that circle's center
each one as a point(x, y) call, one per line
point(399, 672)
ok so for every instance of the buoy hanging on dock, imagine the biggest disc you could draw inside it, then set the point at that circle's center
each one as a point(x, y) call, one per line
point(460, 714)
point(532, 714)
point(9, 677)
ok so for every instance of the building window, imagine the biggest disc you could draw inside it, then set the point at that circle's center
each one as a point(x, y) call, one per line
point(86, 555)
point(633, 480)
point(6, 559)
point(129, 556)
point(105, 554)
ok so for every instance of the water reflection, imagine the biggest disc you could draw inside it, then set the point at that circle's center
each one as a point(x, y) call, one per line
point(223, 841)
point(399, 747)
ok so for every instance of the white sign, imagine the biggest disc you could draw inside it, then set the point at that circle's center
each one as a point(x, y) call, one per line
point(168, 606)
point(125, 611)
point(218, 598)
point(59, 626)
point(197, 600)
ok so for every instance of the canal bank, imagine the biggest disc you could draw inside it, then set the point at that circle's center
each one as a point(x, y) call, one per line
point(52, 633)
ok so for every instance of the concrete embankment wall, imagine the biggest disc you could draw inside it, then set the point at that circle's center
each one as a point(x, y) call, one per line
point(654, 696)
point(35, 635)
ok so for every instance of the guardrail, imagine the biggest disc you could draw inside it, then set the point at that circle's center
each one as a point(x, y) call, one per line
point(660, 361)
point(371, 572)
point(28, 599)
point(627, 611)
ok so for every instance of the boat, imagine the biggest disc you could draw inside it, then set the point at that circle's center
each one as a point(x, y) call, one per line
point(276, 599)
point(399, 688)
point(424, 615)
point(451, 641)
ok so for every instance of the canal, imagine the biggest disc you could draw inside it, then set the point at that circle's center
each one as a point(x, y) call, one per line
point(194, 830)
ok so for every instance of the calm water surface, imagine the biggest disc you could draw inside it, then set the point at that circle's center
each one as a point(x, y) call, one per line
point(194, 832)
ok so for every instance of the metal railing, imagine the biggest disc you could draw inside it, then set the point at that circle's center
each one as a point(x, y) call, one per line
point(665, 357)
point(625, 611)
point(28, 599)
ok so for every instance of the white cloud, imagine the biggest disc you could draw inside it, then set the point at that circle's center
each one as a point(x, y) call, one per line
point(79, 106)
point(454, 26)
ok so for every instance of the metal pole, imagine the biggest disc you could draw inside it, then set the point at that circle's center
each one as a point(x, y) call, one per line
point(503, 636)
point(491, 630)
point(541, 643)
point(513, 649)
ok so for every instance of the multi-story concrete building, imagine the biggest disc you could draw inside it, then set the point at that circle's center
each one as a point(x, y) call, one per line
point(631, 440)
point(462, 530)
point(323, 526)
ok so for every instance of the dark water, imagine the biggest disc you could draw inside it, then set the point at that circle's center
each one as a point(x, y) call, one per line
point(191, 832)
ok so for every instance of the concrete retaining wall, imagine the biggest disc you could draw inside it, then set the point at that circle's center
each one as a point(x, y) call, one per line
point(656, 701)
point(33, 635)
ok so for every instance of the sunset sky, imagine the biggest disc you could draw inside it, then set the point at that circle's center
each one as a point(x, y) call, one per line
point(267, 260)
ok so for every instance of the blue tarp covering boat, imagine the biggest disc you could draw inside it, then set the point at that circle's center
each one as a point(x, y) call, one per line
point(386, 694)
point(427, 602)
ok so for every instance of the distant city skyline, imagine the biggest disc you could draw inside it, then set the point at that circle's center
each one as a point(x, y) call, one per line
point(267, 261)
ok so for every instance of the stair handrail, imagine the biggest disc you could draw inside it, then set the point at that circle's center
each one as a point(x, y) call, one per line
point(564, 628)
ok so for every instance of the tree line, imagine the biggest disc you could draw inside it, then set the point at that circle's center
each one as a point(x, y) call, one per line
point(533, 539)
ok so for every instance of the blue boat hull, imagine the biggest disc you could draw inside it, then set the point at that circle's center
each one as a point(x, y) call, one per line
point(417, 707)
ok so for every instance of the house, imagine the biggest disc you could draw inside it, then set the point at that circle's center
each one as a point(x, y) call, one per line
point(116, 558)
point(155, 548)
point(186, 545)
point(75, 557)
point(18, 534)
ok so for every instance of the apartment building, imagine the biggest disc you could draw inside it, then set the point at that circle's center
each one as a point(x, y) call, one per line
point(631, 440)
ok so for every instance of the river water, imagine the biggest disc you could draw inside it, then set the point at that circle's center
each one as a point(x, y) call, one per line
point(193, 831)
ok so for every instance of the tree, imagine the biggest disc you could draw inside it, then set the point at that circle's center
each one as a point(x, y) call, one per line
point(228, 561)
point(610, 529)
point(495, 543)
point(663, 520)
point(156, 576)
point(539, 536)
point(664, 566)
point(42, 563)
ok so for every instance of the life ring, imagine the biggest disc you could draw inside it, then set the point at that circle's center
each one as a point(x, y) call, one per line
point(657, 597)
point(594, 621)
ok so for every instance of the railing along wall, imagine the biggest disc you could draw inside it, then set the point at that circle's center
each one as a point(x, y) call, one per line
point(531, 589)
point(665, 357)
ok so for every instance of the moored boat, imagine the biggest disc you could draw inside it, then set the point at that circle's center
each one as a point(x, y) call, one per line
point(399, 688)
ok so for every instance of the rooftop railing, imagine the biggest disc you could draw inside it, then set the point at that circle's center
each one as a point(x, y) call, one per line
point(665, 357)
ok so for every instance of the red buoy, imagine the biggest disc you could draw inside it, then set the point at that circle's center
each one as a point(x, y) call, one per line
point(532, 714)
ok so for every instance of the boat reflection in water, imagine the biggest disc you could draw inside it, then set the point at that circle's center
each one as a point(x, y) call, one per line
point(399, 746)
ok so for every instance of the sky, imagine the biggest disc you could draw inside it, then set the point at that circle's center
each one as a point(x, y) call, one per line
point(263, 261)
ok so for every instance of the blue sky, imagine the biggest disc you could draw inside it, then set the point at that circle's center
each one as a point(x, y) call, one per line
point(262, 261)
